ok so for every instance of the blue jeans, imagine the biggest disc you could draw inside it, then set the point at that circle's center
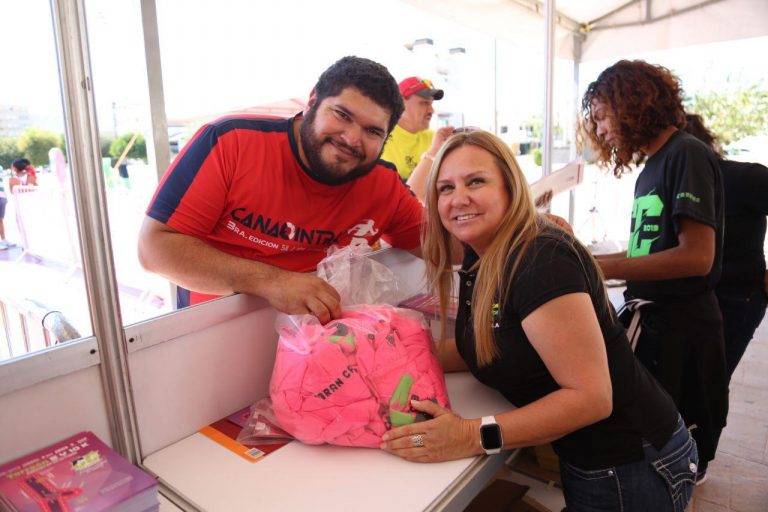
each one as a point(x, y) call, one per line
point(662, 482)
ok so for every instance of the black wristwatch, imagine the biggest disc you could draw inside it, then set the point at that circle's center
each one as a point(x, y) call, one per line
point(491, 439)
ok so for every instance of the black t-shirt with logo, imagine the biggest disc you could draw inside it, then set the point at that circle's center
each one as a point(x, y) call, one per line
point(681, 179)
point(746, 204)
point(556, 265)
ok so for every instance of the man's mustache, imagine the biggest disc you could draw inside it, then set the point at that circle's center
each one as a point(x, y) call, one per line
point(355, 152)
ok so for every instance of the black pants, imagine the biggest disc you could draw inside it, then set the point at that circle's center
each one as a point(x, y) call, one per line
point(681, 343)
point(742, 313)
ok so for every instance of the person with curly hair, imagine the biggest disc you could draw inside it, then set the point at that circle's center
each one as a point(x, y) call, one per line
point(633, 113)
point(743, 288)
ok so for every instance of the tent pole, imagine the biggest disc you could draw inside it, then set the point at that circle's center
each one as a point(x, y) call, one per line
point(549, 20)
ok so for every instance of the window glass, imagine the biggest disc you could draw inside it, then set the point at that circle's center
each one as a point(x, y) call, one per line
point(520, 98)
point(121, 93)
point(564, 123)
point(42, 290)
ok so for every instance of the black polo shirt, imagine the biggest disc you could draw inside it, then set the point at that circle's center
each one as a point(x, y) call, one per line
point(556, 265)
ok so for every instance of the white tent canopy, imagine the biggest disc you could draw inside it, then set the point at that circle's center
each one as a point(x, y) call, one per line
point(611, 28)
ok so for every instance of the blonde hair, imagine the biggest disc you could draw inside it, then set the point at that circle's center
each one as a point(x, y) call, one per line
point(518, 228)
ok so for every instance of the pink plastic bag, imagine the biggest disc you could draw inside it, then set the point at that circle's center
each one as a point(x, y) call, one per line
point(351, 380)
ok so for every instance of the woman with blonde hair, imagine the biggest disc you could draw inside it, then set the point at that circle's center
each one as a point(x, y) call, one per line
point(535, 323)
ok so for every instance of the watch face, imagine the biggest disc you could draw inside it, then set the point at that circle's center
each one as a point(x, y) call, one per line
point(490, 437)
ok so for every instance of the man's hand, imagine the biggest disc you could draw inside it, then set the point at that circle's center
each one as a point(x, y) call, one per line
point(297, 294)
point(195, 265)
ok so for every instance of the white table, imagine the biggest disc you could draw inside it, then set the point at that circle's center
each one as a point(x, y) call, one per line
point(298, 477)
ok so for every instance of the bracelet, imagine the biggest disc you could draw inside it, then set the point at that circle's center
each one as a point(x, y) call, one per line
point(427, 156)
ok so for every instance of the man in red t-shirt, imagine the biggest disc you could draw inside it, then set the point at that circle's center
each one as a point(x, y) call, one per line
point(251, 204)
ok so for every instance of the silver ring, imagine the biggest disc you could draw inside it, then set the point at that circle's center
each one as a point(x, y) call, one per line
point(417, 440)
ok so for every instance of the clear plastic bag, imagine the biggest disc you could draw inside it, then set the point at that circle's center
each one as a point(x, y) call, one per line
point(261, 427)
point(358, 278)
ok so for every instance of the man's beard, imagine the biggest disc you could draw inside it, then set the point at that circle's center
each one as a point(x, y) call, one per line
point(318, 169)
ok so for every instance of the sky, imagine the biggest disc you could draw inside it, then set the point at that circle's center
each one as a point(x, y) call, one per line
point(244, 53)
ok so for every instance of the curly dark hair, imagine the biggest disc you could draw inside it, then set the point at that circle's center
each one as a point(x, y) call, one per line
point(370, 78)
point(644, 100)
point(694, 124)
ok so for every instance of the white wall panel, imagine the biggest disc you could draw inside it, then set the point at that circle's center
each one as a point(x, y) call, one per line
point(42, 414)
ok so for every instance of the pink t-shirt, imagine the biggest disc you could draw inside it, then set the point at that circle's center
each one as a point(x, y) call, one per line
point(351, 380)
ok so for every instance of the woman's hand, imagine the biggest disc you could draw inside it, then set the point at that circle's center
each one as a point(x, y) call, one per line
point(446, 437)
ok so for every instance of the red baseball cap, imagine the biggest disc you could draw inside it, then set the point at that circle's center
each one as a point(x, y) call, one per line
point(421, 86)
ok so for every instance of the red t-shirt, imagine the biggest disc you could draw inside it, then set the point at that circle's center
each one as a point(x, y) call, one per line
point(31, 171)
point(239, 185)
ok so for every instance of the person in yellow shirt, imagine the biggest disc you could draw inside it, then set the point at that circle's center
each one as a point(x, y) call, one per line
point(412, 142)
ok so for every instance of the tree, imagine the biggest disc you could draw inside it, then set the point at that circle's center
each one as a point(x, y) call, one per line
point(8, 151)
point(105, 142)
point(62, 144)
point(732, 113)
point(537, 156)
point(34, 144)
point(138, 150)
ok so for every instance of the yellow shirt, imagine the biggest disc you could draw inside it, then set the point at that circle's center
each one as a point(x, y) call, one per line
point(404, 149)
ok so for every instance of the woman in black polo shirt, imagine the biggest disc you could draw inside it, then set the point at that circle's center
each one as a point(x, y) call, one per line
point(535, 323)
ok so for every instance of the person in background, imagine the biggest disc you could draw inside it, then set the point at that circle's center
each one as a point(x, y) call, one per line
point(535, 323)
point(252, 204)
point(743, 287)
point(412, 145)
point(31, 171)
point(3, 203)
point(19, 175)
point(634, 111)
